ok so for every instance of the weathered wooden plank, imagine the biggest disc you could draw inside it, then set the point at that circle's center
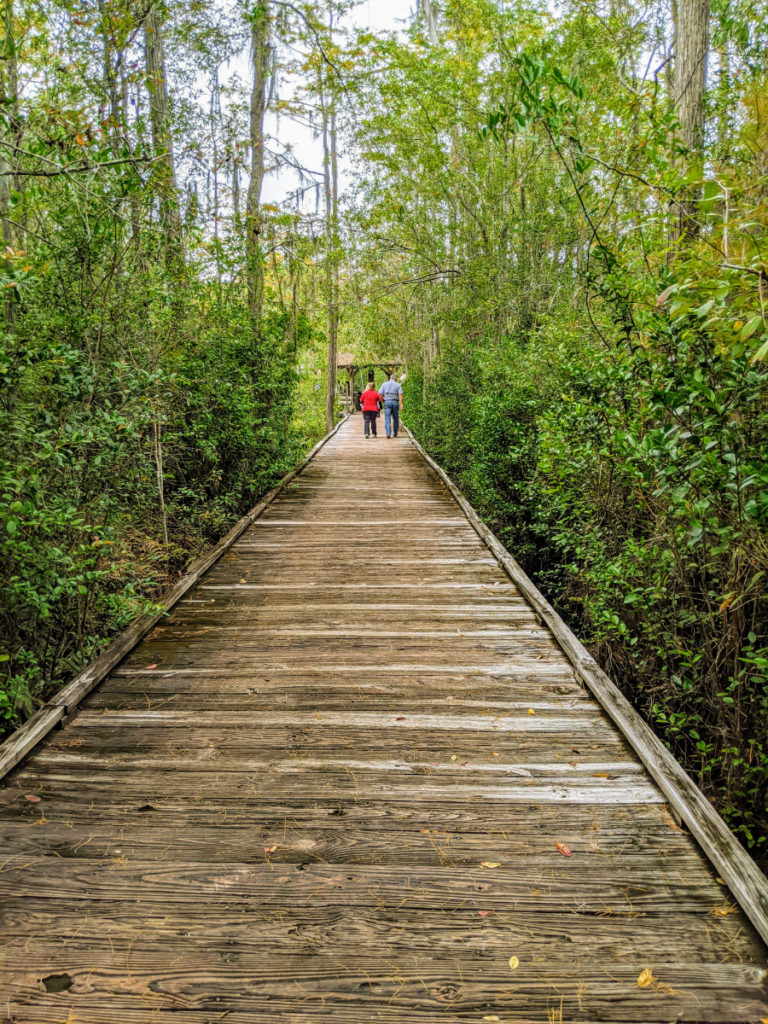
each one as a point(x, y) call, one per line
point(28, 736)
point(299, 784)
point(748, 884)
point(599, 826)
point(300, 1011)
point(224, 693)
point(293, 841)
point(458, 984)
point(564, 887)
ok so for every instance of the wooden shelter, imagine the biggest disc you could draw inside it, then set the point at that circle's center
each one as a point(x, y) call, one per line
point(352, 365)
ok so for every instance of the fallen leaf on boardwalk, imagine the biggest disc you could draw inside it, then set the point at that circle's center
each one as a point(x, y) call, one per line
point(32, 798)
point(564, 849)
point(483, 913)
point(152, 666)
point(269, 849)
point(539, 657)
point(514, 963)
point(531, 711)
point(242, 581)
point(575, 750)
point(490, 863)
point(400, 718)
point(454, 757)
point(600, 775)
point(645, 978)
point(492, 1016)
point(723, 910)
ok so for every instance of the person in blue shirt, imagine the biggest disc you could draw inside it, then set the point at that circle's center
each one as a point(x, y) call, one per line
point(392, 394)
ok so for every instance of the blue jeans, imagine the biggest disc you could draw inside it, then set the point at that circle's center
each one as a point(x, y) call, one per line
point(391, 417)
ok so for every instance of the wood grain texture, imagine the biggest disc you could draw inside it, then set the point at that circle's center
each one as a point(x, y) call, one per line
point(345, 780)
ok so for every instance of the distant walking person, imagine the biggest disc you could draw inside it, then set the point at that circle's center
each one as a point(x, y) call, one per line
point(369, 400)
point(392, 396)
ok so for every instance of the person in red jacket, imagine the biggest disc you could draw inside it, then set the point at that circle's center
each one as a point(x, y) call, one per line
point(370, 400)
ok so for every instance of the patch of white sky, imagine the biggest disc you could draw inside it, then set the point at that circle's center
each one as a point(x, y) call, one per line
point(298, 138)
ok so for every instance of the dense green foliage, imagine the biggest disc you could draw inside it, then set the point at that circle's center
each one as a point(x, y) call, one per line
point(91, 398)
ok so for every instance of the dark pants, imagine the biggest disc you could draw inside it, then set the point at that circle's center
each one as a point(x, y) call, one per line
point(369, 419)
point(392, 417)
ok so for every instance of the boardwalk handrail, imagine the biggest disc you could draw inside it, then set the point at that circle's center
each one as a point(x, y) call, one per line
point(55, 710)
point(747, 883)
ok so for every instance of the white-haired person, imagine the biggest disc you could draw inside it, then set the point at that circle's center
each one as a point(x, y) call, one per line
point(392, 395)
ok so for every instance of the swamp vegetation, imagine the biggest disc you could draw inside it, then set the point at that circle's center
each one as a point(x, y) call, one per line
point(556, 214)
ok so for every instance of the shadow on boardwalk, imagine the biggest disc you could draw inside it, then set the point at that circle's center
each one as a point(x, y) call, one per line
point(351, 779)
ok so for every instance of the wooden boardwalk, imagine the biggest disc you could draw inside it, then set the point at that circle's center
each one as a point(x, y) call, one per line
point(341, 784)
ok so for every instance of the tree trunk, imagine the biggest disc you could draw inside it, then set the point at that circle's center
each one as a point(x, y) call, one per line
point(690, 82)
point(260, 26)
point(429, 13)
point(157, 447)
point(164, 173)
point(330, 180)
point(9, 101)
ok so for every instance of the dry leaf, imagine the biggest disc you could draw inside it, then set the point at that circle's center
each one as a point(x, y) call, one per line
point(495, 753)
point(727, 602)
point(564, 849)
point(32, 798)
point(531, 711)
point(454, 757)
point(600, 775)
point(514, 963)
point(152, 666)
point(491, 1016)
point(242, 581)
point(723, 910)
point(483, 913)
point(269, 849)
point(645, 978)
point(490, 863)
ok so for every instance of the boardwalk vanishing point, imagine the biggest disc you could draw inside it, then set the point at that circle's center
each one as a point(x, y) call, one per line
point(353, 777)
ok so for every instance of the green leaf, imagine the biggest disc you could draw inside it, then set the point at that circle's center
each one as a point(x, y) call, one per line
point(750, 327)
